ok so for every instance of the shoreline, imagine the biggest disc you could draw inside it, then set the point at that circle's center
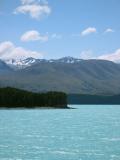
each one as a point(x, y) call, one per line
point(31, 108)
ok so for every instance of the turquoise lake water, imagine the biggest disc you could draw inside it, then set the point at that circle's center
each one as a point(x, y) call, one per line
point(85, 133)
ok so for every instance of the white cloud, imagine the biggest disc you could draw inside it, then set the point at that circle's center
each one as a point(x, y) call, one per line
point(88, 54)
point(88, 31)
point(109, 30)
point(112, 56)
point(9, 51)
point(56, 36)
point(34, 8)
point(33, 35)
point(27, 1)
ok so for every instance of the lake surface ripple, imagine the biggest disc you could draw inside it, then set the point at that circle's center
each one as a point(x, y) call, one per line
point(85, 133)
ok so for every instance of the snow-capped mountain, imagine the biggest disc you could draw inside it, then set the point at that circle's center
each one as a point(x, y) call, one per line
point(66, 60)
point(23, 63)
point(70, 75)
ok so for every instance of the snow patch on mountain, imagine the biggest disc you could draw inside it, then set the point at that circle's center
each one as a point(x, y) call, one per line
point(23, 63)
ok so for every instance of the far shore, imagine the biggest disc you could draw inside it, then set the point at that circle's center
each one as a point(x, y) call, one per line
point(30, 108)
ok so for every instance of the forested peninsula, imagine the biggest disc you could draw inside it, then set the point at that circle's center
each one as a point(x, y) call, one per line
point(17, 98)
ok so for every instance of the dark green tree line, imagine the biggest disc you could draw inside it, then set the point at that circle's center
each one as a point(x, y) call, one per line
point(12, 97)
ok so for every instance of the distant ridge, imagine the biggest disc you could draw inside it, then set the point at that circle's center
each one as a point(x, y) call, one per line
point(4, 68)
point(23, 63)
point(67, 74)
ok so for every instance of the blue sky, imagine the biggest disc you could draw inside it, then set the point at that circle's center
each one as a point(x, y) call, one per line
point(58, 28)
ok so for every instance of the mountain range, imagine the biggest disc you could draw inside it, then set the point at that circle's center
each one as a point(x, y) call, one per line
point(67, 74)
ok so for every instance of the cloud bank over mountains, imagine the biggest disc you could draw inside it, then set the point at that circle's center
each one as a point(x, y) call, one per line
point(115, 56)
point(9, 51)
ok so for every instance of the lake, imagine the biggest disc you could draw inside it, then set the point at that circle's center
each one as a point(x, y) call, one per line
point(85, 133)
